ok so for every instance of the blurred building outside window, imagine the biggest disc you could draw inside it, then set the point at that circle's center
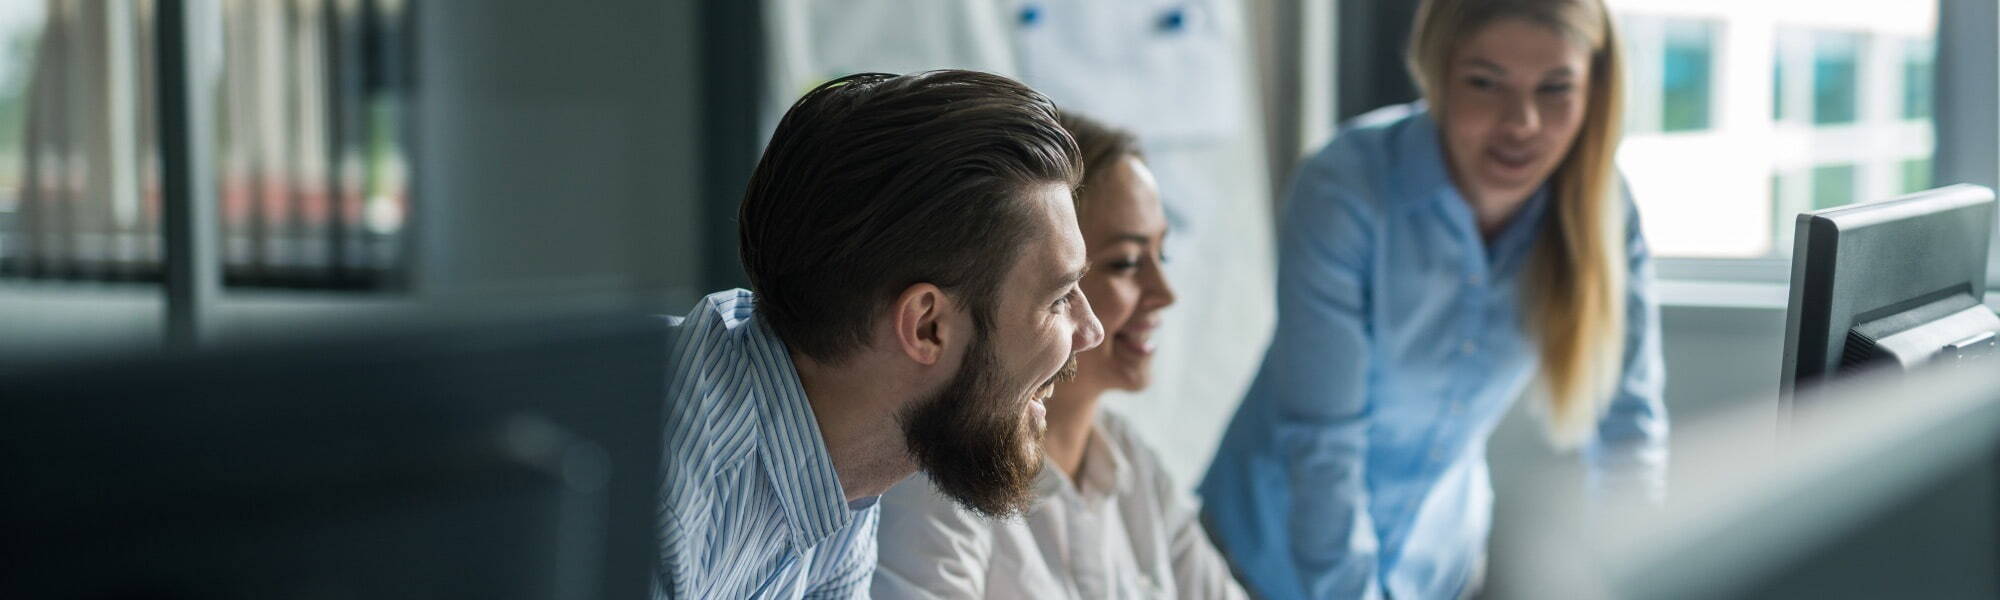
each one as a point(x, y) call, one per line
point(1687, 76)
point(1743, 114)
point(312, 188)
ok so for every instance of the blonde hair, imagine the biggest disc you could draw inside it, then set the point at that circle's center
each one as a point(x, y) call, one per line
point(1574, 284)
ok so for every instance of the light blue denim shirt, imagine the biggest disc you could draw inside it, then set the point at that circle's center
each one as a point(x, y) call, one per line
point(1356, 466)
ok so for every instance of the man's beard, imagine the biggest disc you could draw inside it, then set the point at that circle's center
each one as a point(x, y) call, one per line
point(974, 440)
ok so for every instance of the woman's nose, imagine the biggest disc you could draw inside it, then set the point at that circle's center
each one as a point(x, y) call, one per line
point(1523, 119)
point(1159, 293)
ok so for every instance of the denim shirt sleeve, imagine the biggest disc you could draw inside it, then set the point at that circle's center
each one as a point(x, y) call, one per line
point(1316, 372)
point(1628, 457)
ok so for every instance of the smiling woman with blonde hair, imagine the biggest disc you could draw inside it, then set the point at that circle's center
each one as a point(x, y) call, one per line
point(1439, 260)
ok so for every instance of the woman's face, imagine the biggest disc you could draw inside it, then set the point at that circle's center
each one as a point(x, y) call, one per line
point(1515, 98)
point(1123, 230)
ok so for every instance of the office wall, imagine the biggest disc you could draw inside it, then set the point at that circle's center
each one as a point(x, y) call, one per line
point(556, 148)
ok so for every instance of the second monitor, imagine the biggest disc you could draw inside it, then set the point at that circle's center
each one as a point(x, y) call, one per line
point(1890, 284)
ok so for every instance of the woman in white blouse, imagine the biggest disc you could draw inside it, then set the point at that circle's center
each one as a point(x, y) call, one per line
point(1107, 522)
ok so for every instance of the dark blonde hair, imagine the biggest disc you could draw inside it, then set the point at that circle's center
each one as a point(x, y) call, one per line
point(1574, 285)
point(1099, 146)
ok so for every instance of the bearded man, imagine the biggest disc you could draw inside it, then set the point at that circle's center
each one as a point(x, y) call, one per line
point(913, 254)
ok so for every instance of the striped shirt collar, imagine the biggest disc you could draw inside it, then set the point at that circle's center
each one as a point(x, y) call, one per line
point(794, 452)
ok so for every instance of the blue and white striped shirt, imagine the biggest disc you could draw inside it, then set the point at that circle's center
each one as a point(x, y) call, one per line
point(750, 506)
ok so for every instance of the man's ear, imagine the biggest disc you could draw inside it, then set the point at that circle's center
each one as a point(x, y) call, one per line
point(923, 324)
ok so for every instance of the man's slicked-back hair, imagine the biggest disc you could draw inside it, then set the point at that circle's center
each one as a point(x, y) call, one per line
point(876, 182)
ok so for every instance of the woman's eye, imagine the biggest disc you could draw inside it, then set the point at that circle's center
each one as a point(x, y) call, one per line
point(1480, 83)
point(1125, 264)
point(1557, 88)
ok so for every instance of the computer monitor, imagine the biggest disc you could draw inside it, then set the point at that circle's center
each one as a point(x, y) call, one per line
point(508, 458)
point(1890, 285)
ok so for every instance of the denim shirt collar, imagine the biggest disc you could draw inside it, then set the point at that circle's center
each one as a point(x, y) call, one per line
point(1423, 174)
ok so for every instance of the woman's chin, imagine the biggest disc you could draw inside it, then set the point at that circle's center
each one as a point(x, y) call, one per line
point(1124, 374)
point(1134, 378)
point(1508, 182)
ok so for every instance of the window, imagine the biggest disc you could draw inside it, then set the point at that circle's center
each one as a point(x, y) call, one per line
point(1741, 115)
point(1673, 60)
point(1832, 185)
point(312, 182)
point(1687, 75)
point(20, 34)
point(1779, 99)
point(1919, 68)
point(1916, 174)
point(74, 166)
point(1835, 79)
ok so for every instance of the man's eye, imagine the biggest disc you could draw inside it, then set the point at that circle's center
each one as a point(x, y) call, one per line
point(1480, 83)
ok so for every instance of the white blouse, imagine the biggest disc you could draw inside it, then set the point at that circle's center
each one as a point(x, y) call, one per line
point(1123, 531)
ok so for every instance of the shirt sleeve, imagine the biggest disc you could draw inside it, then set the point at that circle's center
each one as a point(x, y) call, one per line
point(844, 563)
point(1315, 374)
point(930, 548)
point(1628, 456)
point(674, 577)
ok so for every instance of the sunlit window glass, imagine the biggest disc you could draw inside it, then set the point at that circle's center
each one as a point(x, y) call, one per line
point(1741, 115)
point(1919, 65)
point(1836, 77)
point(1687, 75)
point(1916, 174)
point(1833, 185)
